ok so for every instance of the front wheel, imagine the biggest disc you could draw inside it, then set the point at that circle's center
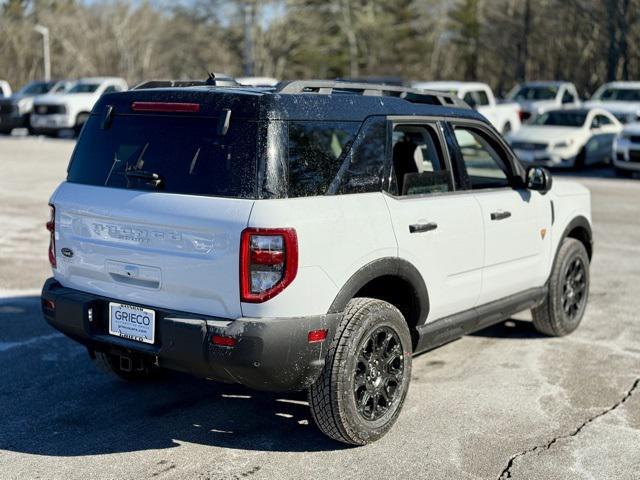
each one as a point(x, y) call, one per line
point(360, 392)
point(566, 301)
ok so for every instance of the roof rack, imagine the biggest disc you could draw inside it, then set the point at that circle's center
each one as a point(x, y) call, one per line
point(328, 87)
point(221, 81)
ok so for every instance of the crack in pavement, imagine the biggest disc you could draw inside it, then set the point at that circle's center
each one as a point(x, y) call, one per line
point(506, 472)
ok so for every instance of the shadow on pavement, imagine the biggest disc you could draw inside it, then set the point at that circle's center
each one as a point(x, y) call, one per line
point(54, 402)
point(510, 329)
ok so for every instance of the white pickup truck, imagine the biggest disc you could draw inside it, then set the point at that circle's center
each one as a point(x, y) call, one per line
point(535, 98)
point(504, 116)
point(70, 110)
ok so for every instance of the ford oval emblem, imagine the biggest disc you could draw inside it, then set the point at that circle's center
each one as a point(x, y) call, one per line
point(67, 252)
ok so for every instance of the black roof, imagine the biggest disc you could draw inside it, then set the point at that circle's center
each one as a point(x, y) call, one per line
point(313, 100)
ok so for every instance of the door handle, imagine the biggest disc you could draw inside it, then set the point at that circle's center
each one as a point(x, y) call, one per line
point(501, 215)
point(422, 227)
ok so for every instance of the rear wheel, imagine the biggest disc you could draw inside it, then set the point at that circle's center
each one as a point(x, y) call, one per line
point(126, 368)
point(580, 159)
point(365, 380)
point(566, 301)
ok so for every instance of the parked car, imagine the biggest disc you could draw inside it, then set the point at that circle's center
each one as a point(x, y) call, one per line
point(15, 111)
point(505, 117)
point(70, 110)
point(535, 98)
point(626, 150)
point(567, 138)
point(620, 98)
point(5, 89)
point(270, 238)
point(257, 81)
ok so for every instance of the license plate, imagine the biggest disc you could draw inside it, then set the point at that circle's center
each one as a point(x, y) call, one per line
point(134, 323)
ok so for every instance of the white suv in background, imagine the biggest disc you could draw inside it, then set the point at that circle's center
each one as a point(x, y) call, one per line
point(622, 99)
point(70, 110)
point(314, 236)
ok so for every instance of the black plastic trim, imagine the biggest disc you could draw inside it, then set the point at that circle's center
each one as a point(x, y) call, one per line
point(270, 353)
point(388, 266)
point(582, 222)
point(439, 332)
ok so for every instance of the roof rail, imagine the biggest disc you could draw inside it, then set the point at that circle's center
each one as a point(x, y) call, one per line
point(327, 87)
point(220, 82)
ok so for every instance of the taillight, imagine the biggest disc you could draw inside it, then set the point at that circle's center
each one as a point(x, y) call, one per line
point(51, 226)
point(268, 262)
point(521, 114)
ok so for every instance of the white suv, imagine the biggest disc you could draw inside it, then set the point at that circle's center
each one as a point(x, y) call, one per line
point(70, 110)
point(315, 236)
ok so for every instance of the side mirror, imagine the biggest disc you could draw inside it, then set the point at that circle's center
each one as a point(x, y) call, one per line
point(539, 179)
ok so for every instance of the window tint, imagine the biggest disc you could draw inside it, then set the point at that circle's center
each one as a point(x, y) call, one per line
point(602, 120)
point(184, 152)
point(316, 153)
point(484, 166)
point(483, 99)
point(567, 97)
point(418, 163)
point(470, 99)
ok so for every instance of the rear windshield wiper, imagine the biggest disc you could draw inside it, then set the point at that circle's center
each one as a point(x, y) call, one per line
point(151, 178)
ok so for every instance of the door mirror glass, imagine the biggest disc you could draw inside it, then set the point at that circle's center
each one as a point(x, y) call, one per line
point(539, 179)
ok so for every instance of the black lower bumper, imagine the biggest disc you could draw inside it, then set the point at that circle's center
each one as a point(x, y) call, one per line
point(269, 354)
point(9, 122)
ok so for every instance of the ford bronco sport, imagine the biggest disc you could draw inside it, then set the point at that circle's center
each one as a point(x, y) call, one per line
point(312, 236)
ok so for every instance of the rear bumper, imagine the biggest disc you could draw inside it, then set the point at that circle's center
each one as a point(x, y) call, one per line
point(270, 354)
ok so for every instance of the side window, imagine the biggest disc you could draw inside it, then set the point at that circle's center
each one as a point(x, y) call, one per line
point(363, 167)
point(315, 154)
point(418, 162)
point(470, 99)
point(567, 97)
point(483, 164)
point(111, 89)
point(604, 120)
point(483, 98)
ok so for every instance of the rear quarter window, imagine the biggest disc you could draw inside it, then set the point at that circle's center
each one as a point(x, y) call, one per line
point(186, 153)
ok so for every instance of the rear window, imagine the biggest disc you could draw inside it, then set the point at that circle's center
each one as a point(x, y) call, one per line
point(168, 153)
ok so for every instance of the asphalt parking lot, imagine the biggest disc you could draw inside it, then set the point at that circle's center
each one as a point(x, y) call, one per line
point(502, 403)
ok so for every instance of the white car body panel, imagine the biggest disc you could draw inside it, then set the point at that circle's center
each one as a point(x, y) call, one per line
point(337, 235)
point(503, 116)
point(5, 89)
point(181, 251)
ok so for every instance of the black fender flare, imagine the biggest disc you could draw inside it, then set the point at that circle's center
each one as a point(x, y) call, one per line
point(387, 266)
point(582, 222)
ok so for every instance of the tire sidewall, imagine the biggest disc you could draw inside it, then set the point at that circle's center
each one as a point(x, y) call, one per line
point(572, 251)
point(360, 428)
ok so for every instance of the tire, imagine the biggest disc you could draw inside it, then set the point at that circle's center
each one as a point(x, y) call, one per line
point(566, 301)
point(110, 364)
point(622, 173)
point(346, 404)
point(580, 160)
